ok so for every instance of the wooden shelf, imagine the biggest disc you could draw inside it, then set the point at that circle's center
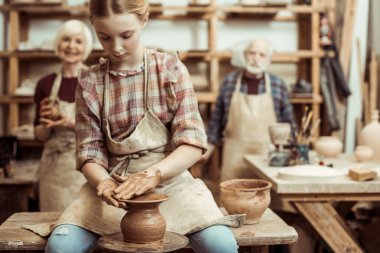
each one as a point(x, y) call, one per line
point(40, 54)
point(206, 97)
point(30, 143)
point(156, 12)
point(287, 57)
point(312, 99)
point(300, 9)
point(9, 99)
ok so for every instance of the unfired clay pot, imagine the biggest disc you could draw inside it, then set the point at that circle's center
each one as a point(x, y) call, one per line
point(328, 146)
point(246, 196)
point(143, 222)
point(370, 135)
point(363, 153)
point(279, 133)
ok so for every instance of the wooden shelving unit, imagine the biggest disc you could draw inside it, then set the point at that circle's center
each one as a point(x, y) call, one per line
point(307, 57)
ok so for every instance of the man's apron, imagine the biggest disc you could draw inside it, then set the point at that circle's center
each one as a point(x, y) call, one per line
point(247, 129)
point(190, 206)
point(59, 181)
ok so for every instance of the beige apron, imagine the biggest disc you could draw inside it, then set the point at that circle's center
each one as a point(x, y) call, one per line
point(247, 129)
point(59, 181)
point(190, 206)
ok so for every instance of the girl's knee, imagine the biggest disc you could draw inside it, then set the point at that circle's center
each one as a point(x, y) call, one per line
point(71, 238)
point(217, 238)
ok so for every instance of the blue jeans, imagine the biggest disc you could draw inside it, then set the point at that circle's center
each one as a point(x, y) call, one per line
point(71, 238)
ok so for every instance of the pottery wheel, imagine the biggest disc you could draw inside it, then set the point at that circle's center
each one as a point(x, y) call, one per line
point(115, 242)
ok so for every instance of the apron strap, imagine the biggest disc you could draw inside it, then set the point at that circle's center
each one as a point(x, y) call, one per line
point(238, 81)
point(268, 86)
point(56, 86)
point(146, 81)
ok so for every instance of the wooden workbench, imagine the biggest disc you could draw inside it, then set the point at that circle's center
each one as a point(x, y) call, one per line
point(314, 199)
point(271, 230)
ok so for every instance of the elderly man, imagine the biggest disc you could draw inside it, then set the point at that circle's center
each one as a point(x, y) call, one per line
point(250, 100)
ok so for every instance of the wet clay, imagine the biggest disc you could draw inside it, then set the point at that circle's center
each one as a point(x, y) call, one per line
point(246, 196)
point(143, 223)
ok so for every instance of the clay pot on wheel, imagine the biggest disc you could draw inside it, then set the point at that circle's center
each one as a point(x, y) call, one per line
point(246, 196)
point(143, 222)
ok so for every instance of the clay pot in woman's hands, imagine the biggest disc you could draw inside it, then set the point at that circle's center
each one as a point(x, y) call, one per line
point(328, 146)
point(50, 106)
point(246, 196)
point(363, 153)
point(143, 222)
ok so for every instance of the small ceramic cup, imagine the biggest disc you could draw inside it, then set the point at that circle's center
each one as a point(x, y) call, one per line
point(363, 153)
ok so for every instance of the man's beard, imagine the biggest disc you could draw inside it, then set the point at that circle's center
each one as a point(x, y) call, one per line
point(257, 70)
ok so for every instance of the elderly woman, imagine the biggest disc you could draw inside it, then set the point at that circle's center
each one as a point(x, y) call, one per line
point(55, 118)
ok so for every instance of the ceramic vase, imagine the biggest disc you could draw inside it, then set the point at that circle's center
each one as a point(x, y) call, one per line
point(370, 135)
point(280, 133)
point(363, 153)
point(143, 222)
point(246, 196)
point(328, 146)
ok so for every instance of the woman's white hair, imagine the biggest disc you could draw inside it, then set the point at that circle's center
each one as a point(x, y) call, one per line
point(72, 27)
point(238, 58)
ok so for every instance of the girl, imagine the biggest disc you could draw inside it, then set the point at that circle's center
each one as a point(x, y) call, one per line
point(137, 117)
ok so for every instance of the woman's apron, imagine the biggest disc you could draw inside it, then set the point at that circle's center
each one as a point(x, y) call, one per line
point(247, 129)
point(59, 181)
point(190, 206)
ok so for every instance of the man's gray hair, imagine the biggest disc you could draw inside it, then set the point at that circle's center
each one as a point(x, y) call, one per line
point(238, 50)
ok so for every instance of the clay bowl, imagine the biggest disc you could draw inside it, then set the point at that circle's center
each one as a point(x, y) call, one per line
point(363, 153)
point(328, 146)
point(246, 196)
point(143, 223)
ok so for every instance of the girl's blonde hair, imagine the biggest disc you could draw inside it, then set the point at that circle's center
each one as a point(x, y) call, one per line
point(104, 8)
point(72, 27)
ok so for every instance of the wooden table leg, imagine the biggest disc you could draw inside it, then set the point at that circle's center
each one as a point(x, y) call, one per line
point(323, 217)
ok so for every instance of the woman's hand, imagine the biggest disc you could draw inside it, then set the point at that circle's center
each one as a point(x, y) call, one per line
point(136, 184)
point(49, 109)
point(105, 191)
point(63, 121)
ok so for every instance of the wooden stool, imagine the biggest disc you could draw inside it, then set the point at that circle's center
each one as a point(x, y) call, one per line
point(115, 242)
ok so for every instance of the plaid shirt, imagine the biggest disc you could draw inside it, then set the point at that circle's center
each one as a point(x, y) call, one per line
point(219, 117)
point(171, 98)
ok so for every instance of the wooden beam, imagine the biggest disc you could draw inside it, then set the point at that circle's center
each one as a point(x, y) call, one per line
point(324, 218)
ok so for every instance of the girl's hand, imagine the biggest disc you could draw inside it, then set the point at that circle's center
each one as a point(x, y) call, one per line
point(105, 191)
point(136, 184)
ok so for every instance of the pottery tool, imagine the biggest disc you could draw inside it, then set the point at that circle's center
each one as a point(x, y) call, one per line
point(304, 132)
